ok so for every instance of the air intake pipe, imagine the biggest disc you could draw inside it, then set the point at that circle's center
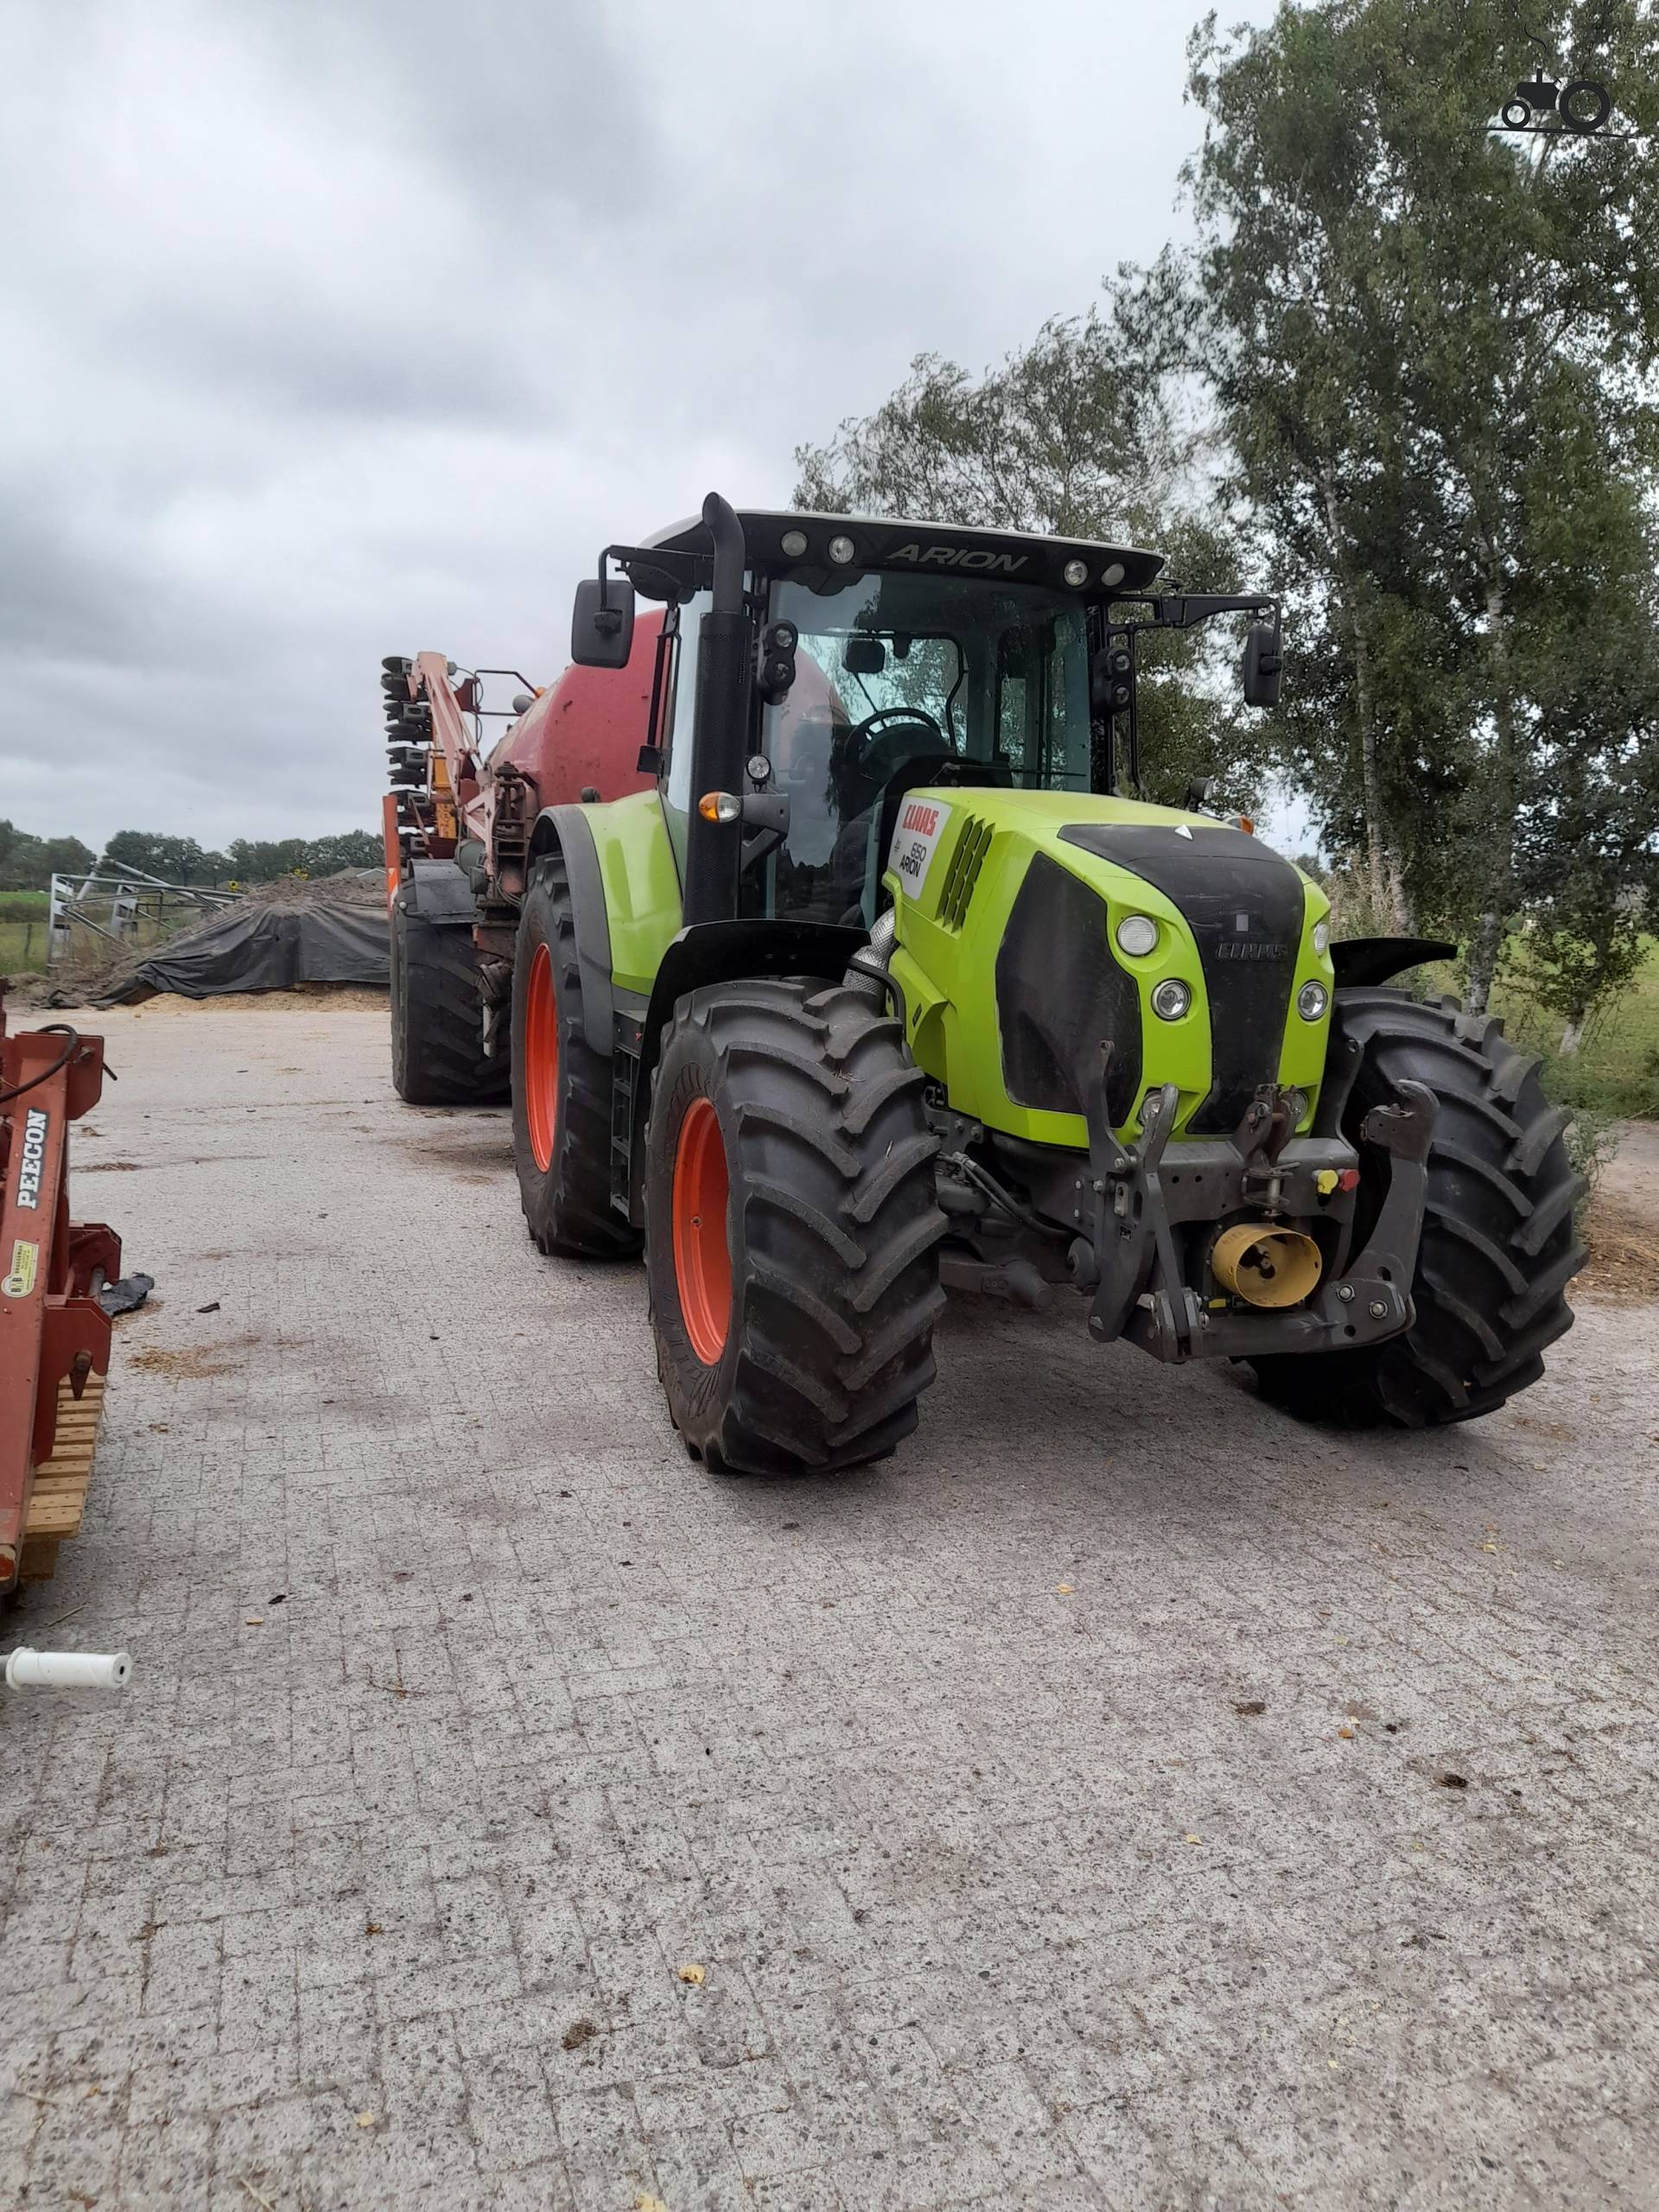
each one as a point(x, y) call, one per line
point(720, 743)
point(866, 973)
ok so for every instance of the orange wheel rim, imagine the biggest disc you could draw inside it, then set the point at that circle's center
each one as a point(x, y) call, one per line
point(702, 1257)
point(541, 1058)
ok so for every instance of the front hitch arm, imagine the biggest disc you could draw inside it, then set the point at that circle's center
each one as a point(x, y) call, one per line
point(1133, 1230)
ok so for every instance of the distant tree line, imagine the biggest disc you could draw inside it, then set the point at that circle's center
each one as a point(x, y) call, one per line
point(181, 860)
point(28, 863)
point(1406, 374)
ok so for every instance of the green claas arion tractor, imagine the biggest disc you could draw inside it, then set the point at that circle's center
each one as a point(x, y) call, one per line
point(879, 984)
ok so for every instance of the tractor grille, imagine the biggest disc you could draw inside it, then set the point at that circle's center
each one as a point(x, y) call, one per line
point(1244, 906)
point(962, 875)
point(1060, 996)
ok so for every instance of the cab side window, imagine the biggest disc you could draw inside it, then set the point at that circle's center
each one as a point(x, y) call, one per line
point(679, 716)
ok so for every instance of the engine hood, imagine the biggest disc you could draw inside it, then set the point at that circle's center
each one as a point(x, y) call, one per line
point(1009, 906)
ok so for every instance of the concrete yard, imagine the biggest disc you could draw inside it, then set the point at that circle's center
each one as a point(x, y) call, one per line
point(1122, 1797)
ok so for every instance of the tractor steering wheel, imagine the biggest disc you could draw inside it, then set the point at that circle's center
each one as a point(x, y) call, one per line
point(864, 737)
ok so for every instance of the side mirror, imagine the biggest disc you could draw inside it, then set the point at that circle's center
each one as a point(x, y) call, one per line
point(602, 636)
point(1264, 666)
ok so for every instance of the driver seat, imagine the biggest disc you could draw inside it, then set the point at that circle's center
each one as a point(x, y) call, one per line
point(874, 831)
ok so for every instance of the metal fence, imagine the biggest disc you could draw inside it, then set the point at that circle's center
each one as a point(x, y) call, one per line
point(122, 905)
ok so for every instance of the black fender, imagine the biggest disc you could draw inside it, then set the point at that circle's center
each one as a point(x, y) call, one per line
point(438, 892)
point(720, 953)
point(568, 829)
point(1364, 960)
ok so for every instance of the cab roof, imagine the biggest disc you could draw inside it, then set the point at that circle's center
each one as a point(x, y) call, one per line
point(931, 548)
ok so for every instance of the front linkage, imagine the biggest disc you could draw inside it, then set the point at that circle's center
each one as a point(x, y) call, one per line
point(1140, 1289)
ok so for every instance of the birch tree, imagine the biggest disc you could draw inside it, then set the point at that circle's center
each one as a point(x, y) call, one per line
point(1432, 347)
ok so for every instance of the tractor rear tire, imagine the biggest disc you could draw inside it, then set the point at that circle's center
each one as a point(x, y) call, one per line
point(792, 1228)
point(560, 1085)
point(437, 1013)
point(1499, 1245)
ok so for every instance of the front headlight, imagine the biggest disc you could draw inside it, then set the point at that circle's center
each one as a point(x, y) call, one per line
point(1321, 937)
point(1171, 999)
point(1312, 1001)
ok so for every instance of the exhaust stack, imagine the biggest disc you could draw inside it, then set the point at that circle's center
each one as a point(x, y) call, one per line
point(1265, 1265)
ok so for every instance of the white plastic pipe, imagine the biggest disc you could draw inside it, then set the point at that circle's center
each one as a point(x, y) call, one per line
point(68, 1670)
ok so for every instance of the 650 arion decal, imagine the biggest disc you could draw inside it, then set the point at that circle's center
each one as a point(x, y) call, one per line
point(914, 840)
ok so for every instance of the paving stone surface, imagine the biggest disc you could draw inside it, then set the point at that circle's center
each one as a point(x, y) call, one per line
point(1121, 1798)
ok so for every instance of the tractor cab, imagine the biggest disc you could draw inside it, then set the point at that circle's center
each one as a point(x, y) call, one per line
point(891, 657)
point(905, 681)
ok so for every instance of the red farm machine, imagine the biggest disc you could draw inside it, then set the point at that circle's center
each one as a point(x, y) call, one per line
point(54, 1335)
point(823, 934)
point(462, 823)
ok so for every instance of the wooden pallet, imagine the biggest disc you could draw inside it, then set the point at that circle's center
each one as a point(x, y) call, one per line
point(58, 1496)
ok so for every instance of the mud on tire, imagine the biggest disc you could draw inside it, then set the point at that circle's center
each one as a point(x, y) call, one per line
point(1499, 1245)
point(832, 1227)
point(560, 1085)
point(437, 1015)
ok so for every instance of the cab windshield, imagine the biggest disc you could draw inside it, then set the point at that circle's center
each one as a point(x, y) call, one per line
point(903, 680)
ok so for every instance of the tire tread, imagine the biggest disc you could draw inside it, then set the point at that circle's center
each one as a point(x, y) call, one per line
point(437, 1014)
point(568, 1209)
point(1498, 1246)
point(832, 1171)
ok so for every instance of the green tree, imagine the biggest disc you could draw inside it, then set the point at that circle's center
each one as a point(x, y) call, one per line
point(1587, 852)
point(351, 849)
point(262, 861)
point(1071, 434)
point(175, 860)
point(1431, 351)
point(64, 856)
point(29, 863)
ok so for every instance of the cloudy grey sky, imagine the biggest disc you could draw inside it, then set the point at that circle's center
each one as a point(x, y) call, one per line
point(337, 328)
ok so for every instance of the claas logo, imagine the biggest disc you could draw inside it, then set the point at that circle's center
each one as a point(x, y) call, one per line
point(925, 820)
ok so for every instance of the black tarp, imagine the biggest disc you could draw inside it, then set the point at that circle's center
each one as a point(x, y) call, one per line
point(269, 948)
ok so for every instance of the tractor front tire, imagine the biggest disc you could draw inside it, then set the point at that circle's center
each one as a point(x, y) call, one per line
point(791, 1229)
point(1498, 1247)
point(560, 1085)
point(437, 1013)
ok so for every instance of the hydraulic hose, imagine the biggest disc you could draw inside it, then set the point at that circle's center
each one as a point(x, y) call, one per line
point(47, 1029)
